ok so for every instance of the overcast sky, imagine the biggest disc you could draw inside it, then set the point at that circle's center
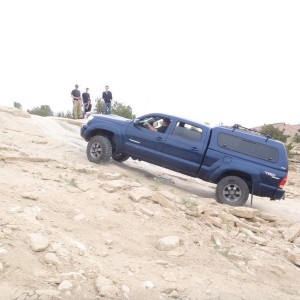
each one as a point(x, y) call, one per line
point(212, 61)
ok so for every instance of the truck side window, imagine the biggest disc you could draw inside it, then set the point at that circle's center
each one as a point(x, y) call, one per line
point(248, 147)
point(187, 132)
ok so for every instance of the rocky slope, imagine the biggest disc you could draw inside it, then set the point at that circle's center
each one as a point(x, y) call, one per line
point(70, 229)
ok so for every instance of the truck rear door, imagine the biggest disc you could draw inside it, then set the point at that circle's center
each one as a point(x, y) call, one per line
point(184, 148)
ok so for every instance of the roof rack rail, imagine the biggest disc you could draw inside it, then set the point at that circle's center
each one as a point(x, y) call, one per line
point(237, 126)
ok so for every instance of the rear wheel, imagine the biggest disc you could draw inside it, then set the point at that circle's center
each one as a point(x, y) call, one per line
point(232, 190)
point(99, 149)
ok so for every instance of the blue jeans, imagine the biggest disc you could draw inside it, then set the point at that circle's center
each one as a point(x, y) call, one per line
point(107, 108)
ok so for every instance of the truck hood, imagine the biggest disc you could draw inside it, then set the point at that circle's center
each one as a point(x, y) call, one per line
point(112, 117)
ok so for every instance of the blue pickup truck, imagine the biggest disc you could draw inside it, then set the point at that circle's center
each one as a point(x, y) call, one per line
point(241, 162)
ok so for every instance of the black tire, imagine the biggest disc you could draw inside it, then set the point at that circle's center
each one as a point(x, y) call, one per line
point(232, 190)
point(119, 156)
point(99, 149)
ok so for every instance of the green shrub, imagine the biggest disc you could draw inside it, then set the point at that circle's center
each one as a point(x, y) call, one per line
point(43, 110)
point(17, 105)
point(275, 133)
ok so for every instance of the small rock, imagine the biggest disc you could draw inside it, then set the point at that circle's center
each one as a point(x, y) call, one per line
point(227, 218)
point(294, 257)
point(196, 211)
point(30, 195)
point(214, 221)
point(170, 196)
point(292, 233)
point(139, 193)
point(168, 243)
point(79, 217)
point(81, 248)
point(147, 212)
point(174, 294)
point(38, 242)
point(74, 276)
point(255, 239)
point(217, 237)
point(112, 176)
point(39, 217)
point(244, 212)
point(245, 225)
point(162, 200)
point(268, 217)
point(125, 289)
point(109, 243)
point(51, 258)
point(66, 285)
point(148, 284)
point(169, 289)
point(101, 281)
point(209, 212)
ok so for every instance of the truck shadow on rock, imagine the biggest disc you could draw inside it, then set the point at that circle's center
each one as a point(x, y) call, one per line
point(169, 179)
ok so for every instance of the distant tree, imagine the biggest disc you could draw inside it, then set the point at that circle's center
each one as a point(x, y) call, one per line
point(275, 133)
point(99, 105)
point(17, 105)
point(62, 114)
point(289, 147)
point(296, 138)
point(43, 110)
point(122, 110)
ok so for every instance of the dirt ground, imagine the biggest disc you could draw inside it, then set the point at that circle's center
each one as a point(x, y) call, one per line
point(70, 229)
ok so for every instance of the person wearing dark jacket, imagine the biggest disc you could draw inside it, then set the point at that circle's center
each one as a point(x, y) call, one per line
point(87, 109)
point(85, 99)
point(107, 98)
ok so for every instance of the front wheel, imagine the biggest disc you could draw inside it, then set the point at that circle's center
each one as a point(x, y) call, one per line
point(99, 149)
point(232, 190)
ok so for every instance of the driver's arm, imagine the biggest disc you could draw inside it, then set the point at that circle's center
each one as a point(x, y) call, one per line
point(152, 128)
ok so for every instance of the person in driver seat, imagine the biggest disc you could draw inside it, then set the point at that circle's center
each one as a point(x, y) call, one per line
point(161, 129)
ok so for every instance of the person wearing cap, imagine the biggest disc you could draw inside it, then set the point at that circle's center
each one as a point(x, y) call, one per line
point(76, 97)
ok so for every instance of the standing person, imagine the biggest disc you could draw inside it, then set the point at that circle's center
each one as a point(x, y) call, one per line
point(87, 109)
point(76, 96)
point(85, 99)
point(107, 97)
